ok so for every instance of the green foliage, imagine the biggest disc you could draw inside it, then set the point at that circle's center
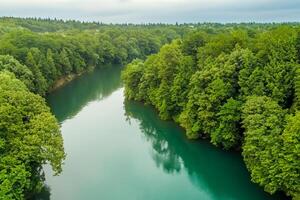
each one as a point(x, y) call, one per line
point(64, 62)
point(21, 72)
point(210, 87)
point(192, 42)
point(8, 81)
point(77, 47)
point(159, 87)
point(222, 43)
point(169, 58)
point(39, 82)
point(291, 158)
point(29, 138)
point(234, 86)
point(298, 45)
point(263, 120)
point(277, 56)
point(131, 77)
point(271, 148)
point(227, 134)
point(49, 69)
point(179, 88)
point(297, 87)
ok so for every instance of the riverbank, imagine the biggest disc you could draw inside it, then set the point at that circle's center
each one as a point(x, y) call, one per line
point(62, 81)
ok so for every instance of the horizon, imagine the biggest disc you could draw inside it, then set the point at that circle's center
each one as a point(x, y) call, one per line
point(149, 23)
point(155, 11)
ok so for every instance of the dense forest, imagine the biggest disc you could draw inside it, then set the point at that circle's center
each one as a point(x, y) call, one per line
point(44, 57)
point(237, 84)
point(238, 87)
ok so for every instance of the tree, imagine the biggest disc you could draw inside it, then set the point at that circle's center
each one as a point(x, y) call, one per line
point(290, 164)
point(264, 120)
point(21, 71)
point(192, 42)
point(48, 68)
point(64, 62)
point(9, 82)
point(228, 131)
point(131, 77)
point(39, 82)
point(29, 138)
point(180, 86)
point(170, 58)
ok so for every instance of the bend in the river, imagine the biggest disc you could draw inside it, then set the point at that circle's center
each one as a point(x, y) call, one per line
point(120, 149)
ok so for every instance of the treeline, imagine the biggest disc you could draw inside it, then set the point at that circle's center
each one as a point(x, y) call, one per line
point(238, 87)
point(45, 57)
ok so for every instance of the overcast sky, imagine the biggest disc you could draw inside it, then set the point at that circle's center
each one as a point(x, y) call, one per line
point(168, 11)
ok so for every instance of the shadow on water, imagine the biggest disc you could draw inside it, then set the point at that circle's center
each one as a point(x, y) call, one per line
point(91, 86)
point(222, 174)
point(43, 195)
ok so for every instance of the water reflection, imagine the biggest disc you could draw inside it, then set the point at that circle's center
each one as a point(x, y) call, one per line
point(221, 174)
point(43, 195)
point(101, 146)
point(67, 101)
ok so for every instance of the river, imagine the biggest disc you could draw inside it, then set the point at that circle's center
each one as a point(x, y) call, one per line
point(119, 149)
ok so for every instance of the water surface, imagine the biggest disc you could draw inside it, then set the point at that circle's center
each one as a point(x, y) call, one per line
point(120, 149)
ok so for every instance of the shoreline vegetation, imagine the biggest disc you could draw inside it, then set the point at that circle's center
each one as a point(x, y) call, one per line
point(238, 88)
point(220, 81)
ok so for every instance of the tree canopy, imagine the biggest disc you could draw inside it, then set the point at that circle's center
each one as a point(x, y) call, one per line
point(29, 138)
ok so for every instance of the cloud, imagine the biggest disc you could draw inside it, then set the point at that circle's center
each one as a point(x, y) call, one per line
point(139, 11)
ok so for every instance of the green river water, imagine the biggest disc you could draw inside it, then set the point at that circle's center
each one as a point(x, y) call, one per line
point(121, 150)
